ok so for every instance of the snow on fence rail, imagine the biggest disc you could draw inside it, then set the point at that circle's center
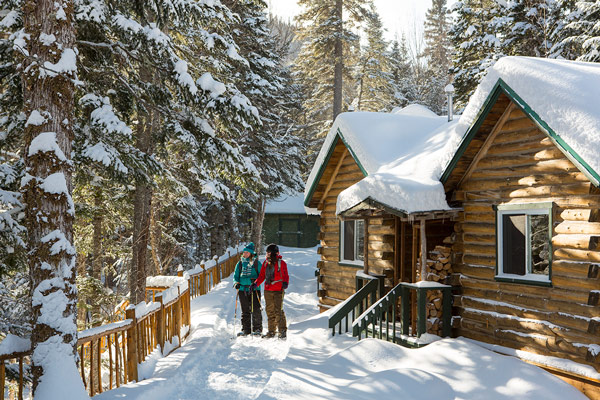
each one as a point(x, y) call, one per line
point(111, 354)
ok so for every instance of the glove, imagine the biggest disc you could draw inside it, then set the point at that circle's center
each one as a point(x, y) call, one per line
point(253, 286)
point(284, 285)
point(237, 286)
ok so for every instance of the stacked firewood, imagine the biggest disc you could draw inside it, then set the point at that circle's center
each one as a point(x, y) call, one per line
point(438, 268)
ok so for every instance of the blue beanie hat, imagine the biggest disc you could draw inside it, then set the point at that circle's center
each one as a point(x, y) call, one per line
point(250, 248)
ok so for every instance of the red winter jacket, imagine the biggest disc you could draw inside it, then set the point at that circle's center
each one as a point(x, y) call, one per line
point(280, 275)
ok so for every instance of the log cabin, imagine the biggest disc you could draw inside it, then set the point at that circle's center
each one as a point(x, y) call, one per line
point(359, 145)
point(525, 248)
point(518, 217)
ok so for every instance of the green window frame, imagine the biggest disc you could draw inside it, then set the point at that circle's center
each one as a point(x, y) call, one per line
point(352, 239)
point(524, 243)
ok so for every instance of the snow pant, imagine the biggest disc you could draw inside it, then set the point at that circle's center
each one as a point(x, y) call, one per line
point(251, 315)
point(275, 314)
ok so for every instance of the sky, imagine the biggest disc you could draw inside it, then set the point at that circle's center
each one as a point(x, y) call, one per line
point(398, 16)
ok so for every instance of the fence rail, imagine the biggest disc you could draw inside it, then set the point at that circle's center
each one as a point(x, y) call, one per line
point(356, 303)
point(110, 354)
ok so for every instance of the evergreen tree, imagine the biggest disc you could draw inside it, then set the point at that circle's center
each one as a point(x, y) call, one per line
point(165, 68)
point(565, 44)
point(49, 71)
point(581, 36)
point(272, 146)
point(402, 76)
point(170, 108)
point(375, 90)
point(321, 67)
point(527, 29)
point(437, 53)
point(476, 45)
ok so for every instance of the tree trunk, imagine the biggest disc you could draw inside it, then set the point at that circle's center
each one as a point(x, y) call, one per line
point(339, 60)
point(155, 235)
point(257, 224)
point(141, 221)
point(96, 274)
point(49, 70)
point(97, 235)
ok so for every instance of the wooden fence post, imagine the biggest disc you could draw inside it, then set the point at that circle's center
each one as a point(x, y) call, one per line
point(160, 324)
point(228, 263)
point(132, 345)
point(178, 305)
point(189, 309)
point(3, 377)
point(188, 304)
point(180, 270)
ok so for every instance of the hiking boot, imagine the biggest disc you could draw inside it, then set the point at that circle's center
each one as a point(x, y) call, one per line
point(257, 333)
point(283, 335)
point(243, 333)
point(269, 335)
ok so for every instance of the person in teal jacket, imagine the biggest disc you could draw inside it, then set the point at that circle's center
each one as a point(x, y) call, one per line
point(246, 272)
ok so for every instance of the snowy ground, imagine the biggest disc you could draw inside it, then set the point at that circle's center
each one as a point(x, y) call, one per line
point(313, 365)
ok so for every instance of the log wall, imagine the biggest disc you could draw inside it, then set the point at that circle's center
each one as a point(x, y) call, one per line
point(337, 281)
point(522, 166)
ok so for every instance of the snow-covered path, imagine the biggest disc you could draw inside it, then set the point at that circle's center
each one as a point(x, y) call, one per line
point(210, 365)
point(311, 364)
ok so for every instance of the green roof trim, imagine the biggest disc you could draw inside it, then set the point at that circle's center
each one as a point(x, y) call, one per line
point(487, 106)
point(502, 87)
point(338, 136)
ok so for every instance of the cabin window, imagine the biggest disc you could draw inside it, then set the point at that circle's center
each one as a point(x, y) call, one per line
point(352, 235)
point(524, 246)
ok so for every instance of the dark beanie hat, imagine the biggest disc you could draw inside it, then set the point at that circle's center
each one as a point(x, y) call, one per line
point(272, 248)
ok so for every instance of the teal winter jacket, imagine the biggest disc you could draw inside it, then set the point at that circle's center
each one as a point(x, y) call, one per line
point(245, 273)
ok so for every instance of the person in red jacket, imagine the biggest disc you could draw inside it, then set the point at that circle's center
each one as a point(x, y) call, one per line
point(275, 275)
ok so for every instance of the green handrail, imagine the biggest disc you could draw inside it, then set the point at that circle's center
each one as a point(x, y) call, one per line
point(380, 311)
point(359, 299)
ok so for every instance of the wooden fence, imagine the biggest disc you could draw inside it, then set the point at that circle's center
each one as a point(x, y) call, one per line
point(110, 354)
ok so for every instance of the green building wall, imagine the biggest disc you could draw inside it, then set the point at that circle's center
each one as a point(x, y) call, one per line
point(292, 230)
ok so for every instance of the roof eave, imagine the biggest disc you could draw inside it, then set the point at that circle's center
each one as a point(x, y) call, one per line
point(323, 166)
point(370, 203)
point(503, 87)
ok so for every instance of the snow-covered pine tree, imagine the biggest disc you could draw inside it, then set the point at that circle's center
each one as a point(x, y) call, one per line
point(402, 75)
point(272, 145)
point(15, 309)
point(321, 66)
point(375, 90)
point(565, 43)
point(476, 46)
point(581, 35)
point(527, 27)
point(49, 71)
point(437, 52)
point(170, 108)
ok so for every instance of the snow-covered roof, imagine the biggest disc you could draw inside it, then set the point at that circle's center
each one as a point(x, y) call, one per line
point(375, 139)
point(560, 96)
point(410, 183)
point(286, 204)
point(416, 110)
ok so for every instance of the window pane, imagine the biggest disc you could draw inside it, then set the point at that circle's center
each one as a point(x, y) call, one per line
point(360, 240)
point(513, 244)
point(349, 240)
point(540, 254)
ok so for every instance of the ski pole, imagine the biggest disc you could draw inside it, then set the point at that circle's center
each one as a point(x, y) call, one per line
point(257, 298)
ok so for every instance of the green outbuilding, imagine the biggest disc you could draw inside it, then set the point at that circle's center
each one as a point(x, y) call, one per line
point(287, 223)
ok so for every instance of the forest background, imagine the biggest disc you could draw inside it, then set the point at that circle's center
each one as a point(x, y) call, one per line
point(189, 115)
